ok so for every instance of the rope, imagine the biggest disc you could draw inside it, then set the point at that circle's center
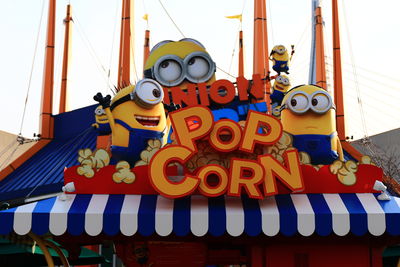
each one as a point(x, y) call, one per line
point(234, 48)
point(176, 26)
point(227, 73)
point(111, 52)
point(92, 52)
point(31, 73)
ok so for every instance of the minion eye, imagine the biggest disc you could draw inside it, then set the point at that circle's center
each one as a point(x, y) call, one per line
point(147, 93)
point(321, 102)
point(298, 103)
point(200, 67)
point(285, 81)
point(279, 79)
point(99, 111)
point(170, 70)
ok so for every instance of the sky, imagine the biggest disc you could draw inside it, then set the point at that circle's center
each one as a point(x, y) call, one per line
point(369, 42)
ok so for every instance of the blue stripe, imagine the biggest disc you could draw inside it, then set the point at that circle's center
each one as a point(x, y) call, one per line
point(216, 216)
point(181, 216)
point(392, 215)
point(76, 214)
point(112, 214)
point(147, 215)
point(252, 216)
point(287, 215)
point(323, 215)
point(6, 221)
point(41, 216)
point(358, 216)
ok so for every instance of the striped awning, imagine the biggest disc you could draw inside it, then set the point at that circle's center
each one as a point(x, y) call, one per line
point(306, 214)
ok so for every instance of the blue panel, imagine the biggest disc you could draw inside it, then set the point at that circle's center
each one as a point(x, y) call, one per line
point(323, 215)
point(181, 216)
point(358, 216)
point(252, 216)
point(111, 218)
point(6, 221)
point(216, 216)
point(392, 215)
point(287, 215)
point(41, 216)
point(147, 215)
point(76, 214)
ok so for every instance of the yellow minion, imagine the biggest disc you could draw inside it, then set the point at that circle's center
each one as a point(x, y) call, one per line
point(136, 114)
point(102, 126)
point(280, 59)
point(279, 88)
point(308, 114)
point(179, 63)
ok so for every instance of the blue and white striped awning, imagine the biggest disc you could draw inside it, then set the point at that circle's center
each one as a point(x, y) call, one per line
point(306, 214)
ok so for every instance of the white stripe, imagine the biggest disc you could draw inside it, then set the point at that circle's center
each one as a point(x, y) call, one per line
point(164, 215)
point(270, 216)
point(397, 199)
point(199, 215)
point(94, 214)
point(375, 214)
point(129, 215)
point(340, 214)
point(234, 216)
point(59, 215)
point(23, 218)
point(305, 214)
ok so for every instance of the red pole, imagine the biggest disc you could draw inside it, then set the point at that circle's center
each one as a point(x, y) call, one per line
point(241, 66)
point(260, 44)
point(320, 53)
point(67, 51)
point(337, 74)
point(124, 50)
point(146, 48)
point(46, 119)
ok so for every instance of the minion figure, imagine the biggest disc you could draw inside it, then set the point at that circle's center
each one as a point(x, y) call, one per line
point(179, 63)
point(280, 58)
point(136, 115)
point(102, 126)
point(308, 114)
point(279, 88)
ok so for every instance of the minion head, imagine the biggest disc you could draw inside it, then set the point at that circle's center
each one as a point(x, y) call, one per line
point(308, 109)
point(140, 106)
point(178, 63)
point(100, 115)
point(279, 49)
point(281, 83)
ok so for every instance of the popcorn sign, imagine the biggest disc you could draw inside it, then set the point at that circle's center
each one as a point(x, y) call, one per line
point(257, 178)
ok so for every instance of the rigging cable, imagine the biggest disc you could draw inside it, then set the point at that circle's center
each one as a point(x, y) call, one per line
point(31, 73)
point(111, 52)
point(176, 26)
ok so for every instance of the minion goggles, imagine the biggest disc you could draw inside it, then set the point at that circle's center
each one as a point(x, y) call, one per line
point(300, 102)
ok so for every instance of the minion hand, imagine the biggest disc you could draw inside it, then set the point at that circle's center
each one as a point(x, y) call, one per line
point(171, 107)
point(103, 101)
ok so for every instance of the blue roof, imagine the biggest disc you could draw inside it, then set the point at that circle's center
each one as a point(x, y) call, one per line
point(43, 173)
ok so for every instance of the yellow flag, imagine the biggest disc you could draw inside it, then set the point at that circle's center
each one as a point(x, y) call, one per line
point(239, 17)
point(146, 17)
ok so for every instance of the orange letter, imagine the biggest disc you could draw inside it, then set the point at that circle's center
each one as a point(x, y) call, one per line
point(229, 94)
point(229, 128)
point(251, 136)
point(159, 178)
point(247, 174)
point(290, 176)
point(212, 191)
point(184, 135)
point(189, 97)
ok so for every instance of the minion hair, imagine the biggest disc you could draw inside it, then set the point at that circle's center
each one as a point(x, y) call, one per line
point(300, 86)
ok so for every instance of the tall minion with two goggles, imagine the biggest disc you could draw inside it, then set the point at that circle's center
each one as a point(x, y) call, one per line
point(280, 59)
point(136, 114)
point(308, 114)
point(179, 63)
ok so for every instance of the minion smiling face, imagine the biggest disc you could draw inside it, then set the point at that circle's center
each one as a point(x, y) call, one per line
point(179, 63)
point(281, 83)
point(280, 49)
point(308, 109)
